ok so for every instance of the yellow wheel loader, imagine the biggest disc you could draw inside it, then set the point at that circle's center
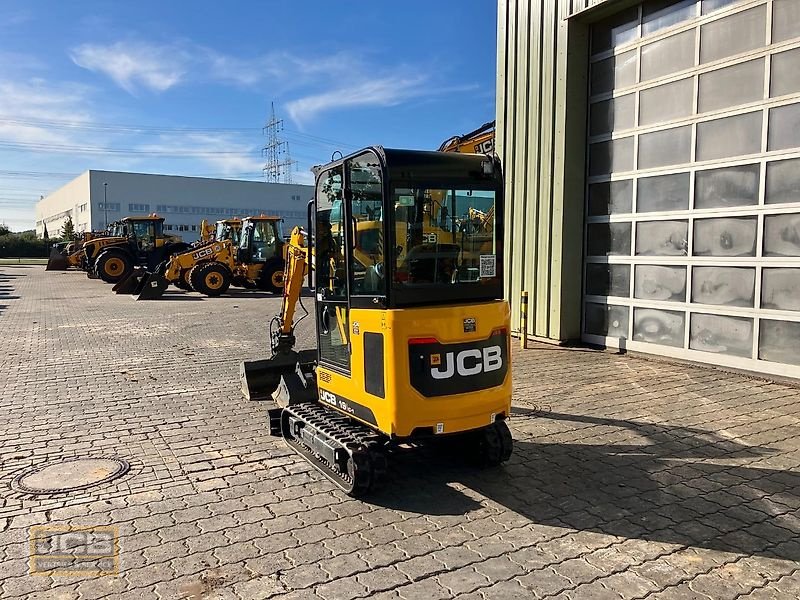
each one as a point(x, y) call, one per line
point(257, 262)
point(135, 242)
point(412, 346)
point(70, 254)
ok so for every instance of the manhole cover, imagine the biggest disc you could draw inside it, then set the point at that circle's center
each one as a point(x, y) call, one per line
point(70, 475)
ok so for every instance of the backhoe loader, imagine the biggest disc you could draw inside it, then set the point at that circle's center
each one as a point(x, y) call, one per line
point(411, 346)
point(70, 254)
point(257, 262)
point(136, 241)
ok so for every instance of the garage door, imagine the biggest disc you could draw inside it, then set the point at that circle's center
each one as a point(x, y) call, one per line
point(693, 197)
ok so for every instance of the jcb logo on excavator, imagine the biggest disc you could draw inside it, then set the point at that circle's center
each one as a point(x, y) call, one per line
point(438, 369)
point(467, 362)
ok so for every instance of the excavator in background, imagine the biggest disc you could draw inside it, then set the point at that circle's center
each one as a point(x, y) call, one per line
point(413, 336)
point(479, 141)
point(247, 253)
point(133, 241)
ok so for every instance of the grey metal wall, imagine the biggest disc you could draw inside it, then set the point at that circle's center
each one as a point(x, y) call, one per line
point(541, 116)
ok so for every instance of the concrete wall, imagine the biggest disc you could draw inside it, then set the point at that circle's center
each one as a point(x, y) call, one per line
point(182, 201)
point(71, 200)
point(542, 64)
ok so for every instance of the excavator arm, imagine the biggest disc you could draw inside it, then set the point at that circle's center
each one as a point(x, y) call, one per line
point(287, 377)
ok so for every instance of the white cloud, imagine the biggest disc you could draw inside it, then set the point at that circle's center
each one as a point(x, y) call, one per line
point(376, 92)
point(133, 64)
point(226, 154)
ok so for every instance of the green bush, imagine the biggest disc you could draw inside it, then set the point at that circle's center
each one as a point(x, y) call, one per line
point(25, 244)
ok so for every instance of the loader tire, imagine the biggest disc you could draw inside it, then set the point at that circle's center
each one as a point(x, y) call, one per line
point(113, 266)
point(183, 282)
point(210, 279)
point(271, 279)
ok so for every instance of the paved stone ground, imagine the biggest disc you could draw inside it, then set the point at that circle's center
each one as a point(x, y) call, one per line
point(631, 478)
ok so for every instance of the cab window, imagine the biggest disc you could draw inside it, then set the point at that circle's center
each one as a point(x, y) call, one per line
point(329, 258)
point(367, 270)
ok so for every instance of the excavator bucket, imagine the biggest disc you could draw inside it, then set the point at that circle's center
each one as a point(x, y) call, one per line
point(57, 260)
point(132, 284)
point(153, 286)
point(261, 378)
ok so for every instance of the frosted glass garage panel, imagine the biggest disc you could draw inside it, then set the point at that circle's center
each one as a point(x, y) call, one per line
point(656, 282)
point(605, 279)
point(615, 72)
point(612, 156)
point(731, 86)
point(785, 20)
point(608, 239)
point(658, 15)
point(664, 148)
point(783, 181)
point(617, 30)
point(784, 127)
point(670, 55)
point(780, 289)
point(733, 34)
point(709, 6)
point(665, 327)
point(611, 197)
point(730, 136)
point(663, 193)
point(725, 236)
point(666, 102)
point(782, 235)
point(779, 341)
point(607, 320)
point(613, 115)
point(784, 72)
point(721, 335)
point(662, 238)
point(723, 286)
point(729, 186)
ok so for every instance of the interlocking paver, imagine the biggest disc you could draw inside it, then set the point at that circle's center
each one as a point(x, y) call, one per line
point(631, 477)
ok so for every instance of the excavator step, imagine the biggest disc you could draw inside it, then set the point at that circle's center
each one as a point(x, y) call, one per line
point(348, 453)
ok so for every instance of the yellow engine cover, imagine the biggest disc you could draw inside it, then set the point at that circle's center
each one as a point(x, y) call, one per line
point(424, 370)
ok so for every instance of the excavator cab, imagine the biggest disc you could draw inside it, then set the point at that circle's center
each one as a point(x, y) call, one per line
point(412, 329)
point(229, 229)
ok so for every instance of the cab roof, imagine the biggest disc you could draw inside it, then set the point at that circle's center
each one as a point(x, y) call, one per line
point(146, 218)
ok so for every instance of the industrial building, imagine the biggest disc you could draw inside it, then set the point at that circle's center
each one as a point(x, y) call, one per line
point(652, 160)
point(96, 198)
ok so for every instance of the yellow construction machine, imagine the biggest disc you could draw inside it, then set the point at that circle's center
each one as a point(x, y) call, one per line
point(70, 254)
point(248, 253)
point(479, 141)
point(135, 241)
point(412, 337)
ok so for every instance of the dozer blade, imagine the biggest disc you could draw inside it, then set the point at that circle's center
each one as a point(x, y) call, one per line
point(261, 378)
point(152, 286)
point(57, 261)
point(132, 283)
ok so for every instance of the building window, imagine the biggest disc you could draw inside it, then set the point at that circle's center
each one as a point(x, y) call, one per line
point(139, 207)
point(194, 227)
point(111, 206)
point(82, 207)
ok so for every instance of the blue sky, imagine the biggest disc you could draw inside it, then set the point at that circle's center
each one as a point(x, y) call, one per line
point(185, 88)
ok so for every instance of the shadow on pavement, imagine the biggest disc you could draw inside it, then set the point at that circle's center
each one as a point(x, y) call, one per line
point(673, 487)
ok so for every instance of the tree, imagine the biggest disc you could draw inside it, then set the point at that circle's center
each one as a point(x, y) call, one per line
point(68, 229)
point(4, 230)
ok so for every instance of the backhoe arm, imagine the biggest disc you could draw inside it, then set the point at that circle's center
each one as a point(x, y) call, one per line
point(293, 274)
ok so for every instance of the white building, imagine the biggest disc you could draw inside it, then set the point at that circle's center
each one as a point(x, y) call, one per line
point(96, 198)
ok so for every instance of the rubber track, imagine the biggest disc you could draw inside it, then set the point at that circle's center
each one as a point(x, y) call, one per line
point(367, 462)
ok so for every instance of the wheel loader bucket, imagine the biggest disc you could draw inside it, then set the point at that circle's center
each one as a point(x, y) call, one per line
point(153, 286)
point(132, 283)
point(261, 378)
point(57, 261)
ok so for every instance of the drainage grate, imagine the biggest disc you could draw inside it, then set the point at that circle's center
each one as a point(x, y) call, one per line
point(69, 475)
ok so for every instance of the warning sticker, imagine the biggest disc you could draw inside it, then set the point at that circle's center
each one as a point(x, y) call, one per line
point(488, 266)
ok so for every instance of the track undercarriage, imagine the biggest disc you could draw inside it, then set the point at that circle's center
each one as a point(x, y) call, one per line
point(354, 456)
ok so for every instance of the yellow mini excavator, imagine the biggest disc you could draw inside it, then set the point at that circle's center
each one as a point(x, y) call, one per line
point(413, 343)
